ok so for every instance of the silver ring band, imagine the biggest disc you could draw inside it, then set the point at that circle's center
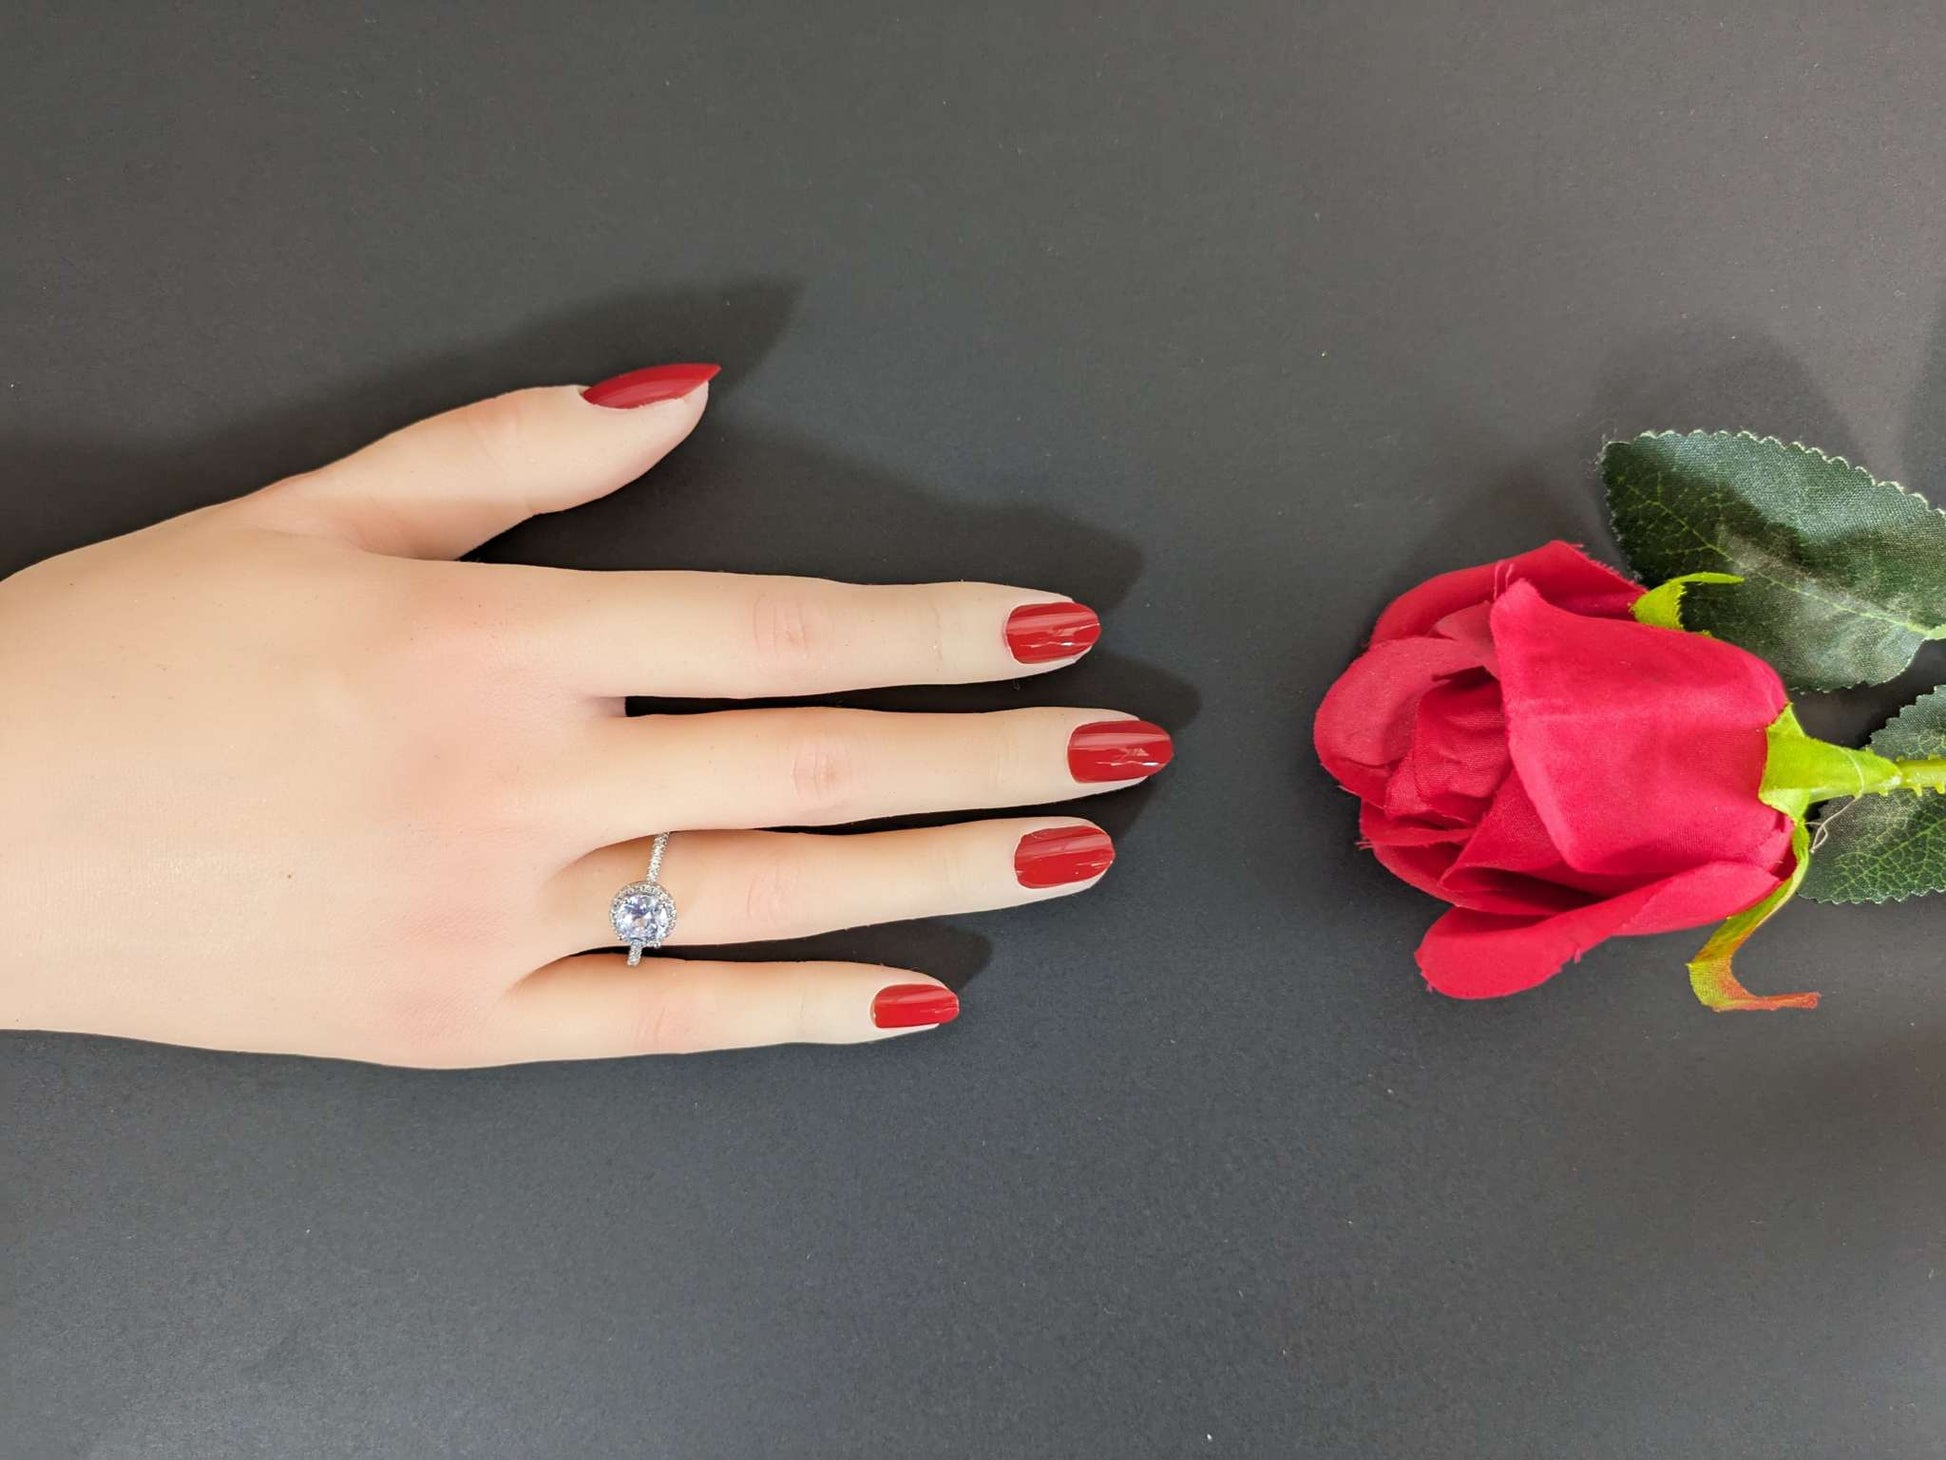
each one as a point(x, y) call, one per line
point(643, 913)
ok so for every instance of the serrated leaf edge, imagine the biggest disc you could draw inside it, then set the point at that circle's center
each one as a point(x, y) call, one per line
point(1752, 436)
point(1908, 709)
point(1622, 538)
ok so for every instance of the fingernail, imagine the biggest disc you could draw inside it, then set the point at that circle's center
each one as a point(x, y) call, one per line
point(1039, 633)
point(646, 387)
point(1118, 750)
point(1062, 854)
point(910, 1005)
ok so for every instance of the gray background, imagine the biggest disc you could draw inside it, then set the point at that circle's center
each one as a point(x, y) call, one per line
point(1233, 320)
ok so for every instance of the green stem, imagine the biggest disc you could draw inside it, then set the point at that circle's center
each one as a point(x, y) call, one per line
point(1921, 775)
point(1799, 772)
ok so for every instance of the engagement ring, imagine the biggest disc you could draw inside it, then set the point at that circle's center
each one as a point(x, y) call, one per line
point(644, 912)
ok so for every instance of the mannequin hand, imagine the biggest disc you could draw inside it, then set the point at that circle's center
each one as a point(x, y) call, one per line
point(280, 775)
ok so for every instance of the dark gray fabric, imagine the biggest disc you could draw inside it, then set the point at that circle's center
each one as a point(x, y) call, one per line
point(1232, 320)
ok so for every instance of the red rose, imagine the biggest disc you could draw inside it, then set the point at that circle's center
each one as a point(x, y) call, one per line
point(1561, 774)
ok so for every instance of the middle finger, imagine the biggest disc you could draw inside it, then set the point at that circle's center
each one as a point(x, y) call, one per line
point(741, 769)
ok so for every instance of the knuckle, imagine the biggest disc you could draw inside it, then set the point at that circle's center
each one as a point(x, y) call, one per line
point(965, 873)
point(824, 773)
point(1011, 752)
point(802, 1023)
point(500, 433)
point(792, 631)
point(459, 621)
point(773, 896)
point(934, 652)
point(671, 1020)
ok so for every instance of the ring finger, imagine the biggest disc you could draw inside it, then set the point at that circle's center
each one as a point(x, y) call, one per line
point(751, 886)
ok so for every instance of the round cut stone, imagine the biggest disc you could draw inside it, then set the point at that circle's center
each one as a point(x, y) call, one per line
point(642, 912)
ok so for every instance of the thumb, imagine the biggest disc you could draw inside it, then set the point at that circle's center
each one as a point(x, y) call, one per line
point(444, 485)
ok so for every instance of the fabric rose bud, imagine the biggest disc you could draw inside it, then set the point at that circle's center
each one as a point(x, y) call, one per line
point(1559, 772)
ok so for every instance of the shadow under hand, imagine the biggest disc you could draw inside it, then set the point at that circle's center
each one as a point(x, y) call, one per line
point(741, 500)
point(738, 498)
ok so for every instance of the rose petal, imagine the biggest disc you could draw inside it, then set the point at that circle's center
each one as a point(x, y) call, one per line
point(1425, 856)
point(1380, 830)
point(1364, 725)
point(1642, 748)
point(1471, 626)
point(1427, 868)
point(1510, 864)
point(1511, 836)
point(1458, 756)
point(1418, 866)
point(1480, 955)
point(1511, 846)
point(1562, 573)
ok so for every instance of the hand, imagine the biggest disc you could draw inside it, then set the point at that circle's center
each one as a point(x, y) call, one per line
point(279, 775)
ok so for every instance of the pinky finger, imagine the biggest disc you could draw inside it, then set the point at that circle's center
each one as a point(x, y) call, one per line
point(594, 1006)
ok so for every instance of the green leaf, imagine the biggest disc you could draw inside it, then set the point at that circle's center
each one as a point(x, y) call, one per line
point(1891, 847)
point(1844, 576)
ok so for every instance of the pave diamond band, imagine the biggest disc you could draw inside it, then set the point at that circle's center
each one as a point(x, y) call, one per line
point(643, 912)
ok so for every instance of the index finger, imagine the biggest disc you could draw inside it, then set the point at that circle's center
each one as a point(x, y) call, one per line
point(739, 636)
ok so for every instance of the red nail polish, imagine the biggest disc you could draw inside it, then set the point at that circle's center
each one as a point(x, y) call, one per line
point(1039, 633)
point(1062, 854)
point(1118, 750)
point(910, 1005)
point(645, 387)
